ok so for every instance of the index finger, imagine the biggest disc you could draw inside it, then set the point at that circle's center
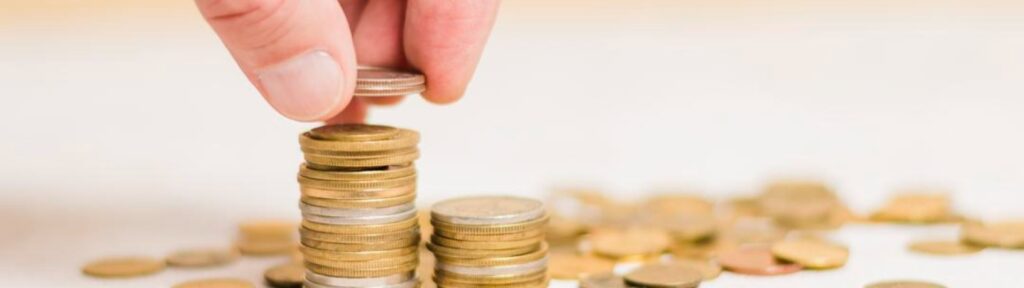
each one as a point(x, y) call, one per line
point(444, 40)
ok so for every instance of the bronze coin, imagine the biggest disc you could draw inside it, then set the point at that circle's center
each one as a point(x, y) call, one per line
point(755, 260)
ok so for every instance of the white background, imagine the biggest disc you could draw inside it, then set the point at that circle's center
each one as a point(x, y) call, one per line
point(127, 129)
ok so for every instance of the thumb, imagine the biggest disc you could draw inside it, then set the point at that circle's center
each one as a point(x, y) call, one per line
point(298, 54)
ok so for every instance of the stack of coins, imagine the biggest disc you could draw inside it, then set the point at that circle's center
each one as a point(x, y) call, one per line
point(359, 226)
point(489, 242)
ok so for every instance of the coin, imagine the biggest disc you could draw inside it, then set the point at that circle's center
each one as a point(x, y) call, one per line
point(288, 275)
point(359, 282)
point(914, 208)
point(602, 280)
point(708, 270)
point(755, 260)
point(664, 275)
point(404, 139)
point(487, 210)
point(268, 229)
point(206, 257)
point(941, 247)
point(625, 244)
point(215, 283)
point(813, 254)
point(1004, 234)
point(384, 76)
point(268, 247)
point(123, 267)
point(353, 132)
point(904, 284)
point(567, 265)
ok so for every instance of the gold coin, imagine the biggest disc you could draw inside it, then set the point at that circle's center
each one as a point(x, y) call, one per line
point(487, 210)
point(914, 208)
point(402, 225)
point(361, 246)
point(629, 243)
point(360, 238)
point(374, 264)
point(404, 139)
point(202, 257)
point(288, 275)
point(944, 247)
point(254, 247)
point(360, 175)
point(268, 229)
point(708, 270)
point(491, 237)
point(812, 254)
point(676, 204)
point(355, 195)
point(498, 261)
point(571, 266)
point(447, 252)
point(904, 284)
point(602, 280)
point(358, 255)
point(445, 278)
point(664, 275)
point(390, 160)
point(755, 260)
point(353, 132)
point(361, 273)
point(215, 283)
point(123, 267)
point(348, 185)
point(359, 203)
point(535, 224)
point(1005, 234)
point(484, 245)
point(688, 227)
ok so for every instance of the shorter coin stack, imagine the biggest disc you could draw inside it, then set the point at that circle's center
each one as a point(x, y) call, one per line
point(359, 226)
point(493, 241)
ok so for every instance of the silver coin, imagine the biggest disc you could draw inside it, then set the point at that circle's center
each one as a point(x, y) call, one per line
point(366, 220)
point(487, 210)
point(343, 212)
point(330, 281)
point(517, 269)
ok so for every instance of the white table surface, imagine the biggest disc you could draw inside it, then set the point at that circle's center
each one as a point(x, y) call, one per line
point(129, 130)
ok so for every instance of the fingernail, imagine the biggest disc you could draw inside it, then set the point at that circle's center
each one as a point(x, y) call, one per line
point(304, 88)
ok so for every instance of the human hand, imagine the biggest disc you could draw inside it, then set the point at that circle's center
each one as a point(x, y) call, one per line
point(302, 55)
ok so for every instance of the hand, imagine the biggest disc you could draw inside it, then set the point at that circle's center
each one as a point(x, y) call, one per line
point(302, 55)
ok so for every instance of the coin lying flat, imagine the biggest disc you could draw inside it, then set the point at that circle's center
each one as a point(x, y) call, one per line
point(915, 208)
point(251, 247)
point(268, 229)
point(202, 257)
point(288, 275)
point(123, 267)
point(755, 260)
point(353, 132)
point(628, 244)
point(487, 210)
point(814, 254)
point(708, 270)
point(664, 276)
point(944, 247)
point(904, 284)
point(567, 265)
point(1005, 234)
point(215, 283)
point(602, 280)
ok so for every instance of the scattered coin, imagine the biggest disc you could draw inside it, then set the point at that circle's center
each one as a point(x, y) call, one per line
point(708, 270)
point(904, 284)
point(629, 244)
point(603, 280)
point(755, 260)
point(1004, 234)
point(941, 247)
point(202, 257)
point(288, 275)
point(123, 267)
point(268, 229)
point(215, 283)
point(915, 207)
point(813, 254)
point(571, 266)
point(664, 275)
point(269, 247)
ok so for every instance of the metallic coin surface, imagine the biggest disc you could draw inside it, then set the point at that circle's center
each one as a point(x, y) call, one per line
point(755, 260)
point(206, 257)
point(708, 270)
point(813, 254)
point(353, 132)
point(602, 280)
point(268, 229)
point(487, 210)
point(940, 247)
point(571, 266)
point(664, 275)
point(381, 76)
point(123, 267)
point(915, 208)
point(288, 275)
point(267, 247)
point(1004, 234)
point(393, 279)
point(904, 284)
point(215, 283)
point(625, 244)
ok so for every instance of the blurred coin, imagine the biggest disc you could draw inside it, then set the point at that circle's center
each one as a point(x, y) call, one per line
point(487, 210)
point(904, 284)
point(255, 247)
point(941, 247)
point(626, 244)
point(755, 260)
point(288, 275)
point(202, 257)
point(664, 276)
point(123, 267)
point(814, 254)
point(571, 266)
point(708, 270)
point(1004, 234)
point(268, 229)
point(602, 280)
point(215, 283)
point(914, 207)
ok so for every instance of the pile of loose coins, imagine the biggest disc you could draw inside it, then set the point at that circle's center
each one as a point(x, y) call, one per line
point(489, 242)
point(359, 221)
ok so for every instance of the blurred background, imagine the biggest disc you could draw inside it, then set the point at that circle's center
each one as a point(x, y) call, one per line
point(126, 116)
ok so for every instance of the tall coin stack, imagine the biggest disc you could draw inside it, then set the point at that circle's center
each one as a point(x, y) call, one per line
point(359, 226)
point(495, 241)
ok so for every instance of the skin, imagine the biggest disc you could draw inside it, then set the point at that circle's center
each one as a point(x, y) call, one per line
point(441, 38)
